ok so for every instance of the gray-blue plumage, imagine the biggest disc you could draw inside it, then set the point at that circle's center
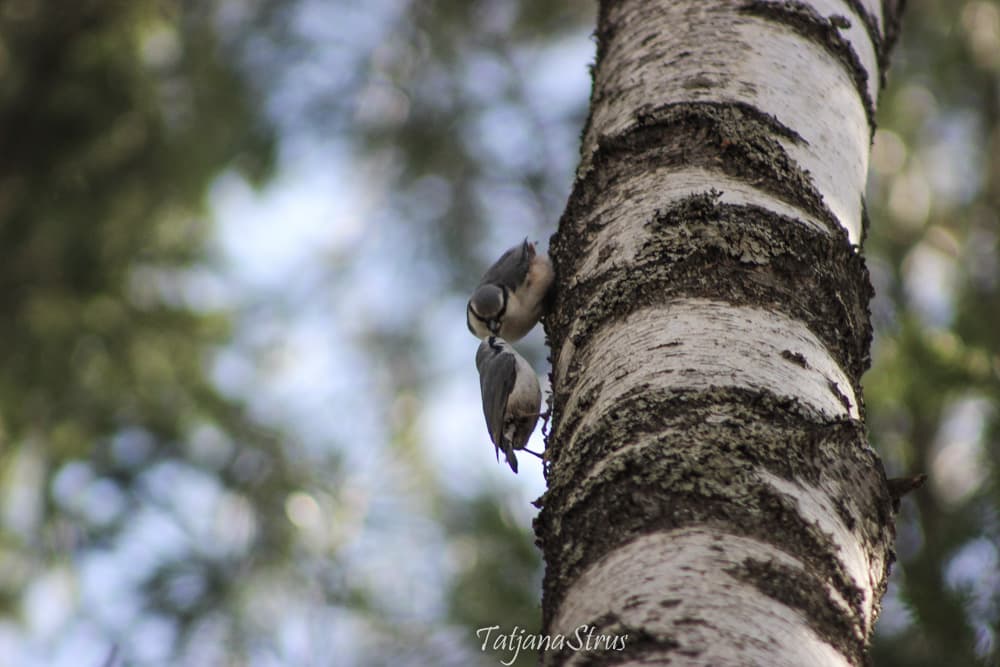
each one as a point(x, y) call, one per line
point(512, 267)
point(511, 396)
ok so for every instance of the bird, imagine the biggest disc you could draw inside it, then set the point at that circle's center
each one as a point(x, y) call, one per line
point(512, 295)
point(512, 397)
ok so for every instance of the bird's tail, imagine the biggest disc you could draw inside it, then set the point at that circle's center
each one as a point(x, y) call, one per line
point(508, 451)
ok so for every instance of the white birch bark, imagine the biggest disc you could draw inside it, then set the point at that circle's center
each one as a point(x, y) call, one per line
point(711, 490)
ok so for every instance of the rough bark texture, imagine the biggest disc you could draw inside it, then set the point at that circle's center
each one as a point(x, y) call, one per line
point(711, 489)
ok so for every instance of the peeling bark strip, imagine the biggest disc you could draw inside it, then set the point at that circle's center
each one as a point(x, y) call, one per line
point(711, 490)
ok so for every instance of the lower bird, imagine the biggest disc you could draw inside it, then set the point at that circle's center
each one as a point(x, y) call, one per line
point(512, 397)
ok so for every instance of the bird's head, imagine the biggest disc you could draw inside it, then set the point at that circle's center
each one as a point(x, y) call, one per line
point(484, 314)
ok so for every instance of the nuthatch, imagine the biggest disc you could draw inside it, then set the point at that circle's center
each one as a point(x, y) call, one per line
point(511, 397)
point(511, 295)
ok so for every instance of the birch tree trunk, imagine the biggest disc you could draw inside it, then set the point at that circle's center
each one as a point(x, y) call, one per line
point(712, 493)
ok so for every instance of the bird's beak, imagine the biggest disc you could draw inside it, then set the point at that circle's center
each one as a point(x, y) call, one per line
point(494, 327)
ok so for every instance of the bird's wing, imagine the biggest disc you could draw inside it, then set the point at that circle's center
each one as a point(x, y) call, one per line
point(512, 266)
point(483, 354)
point(496, 381)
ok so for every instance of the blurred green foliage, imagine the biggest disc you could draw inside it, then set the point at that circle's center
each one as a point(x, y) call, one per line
point(115, 119)
point(934, 387)
point(497, 580)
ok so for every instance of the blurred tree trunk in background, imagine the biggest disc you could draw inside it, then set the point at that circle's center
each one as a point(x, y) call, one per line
point(712, 493)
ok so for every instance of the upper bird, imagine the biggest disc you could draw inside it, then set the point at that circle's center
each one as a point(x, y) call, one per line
point(512, 396)
point(511, 295)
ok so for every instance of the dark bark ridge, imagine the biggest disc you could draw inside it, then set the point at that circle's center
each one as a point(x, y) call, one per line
point(892, 10)
point(744, 255)
point(825, 32)
point(733, 138)
point(698, 465)
point(803, 592)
